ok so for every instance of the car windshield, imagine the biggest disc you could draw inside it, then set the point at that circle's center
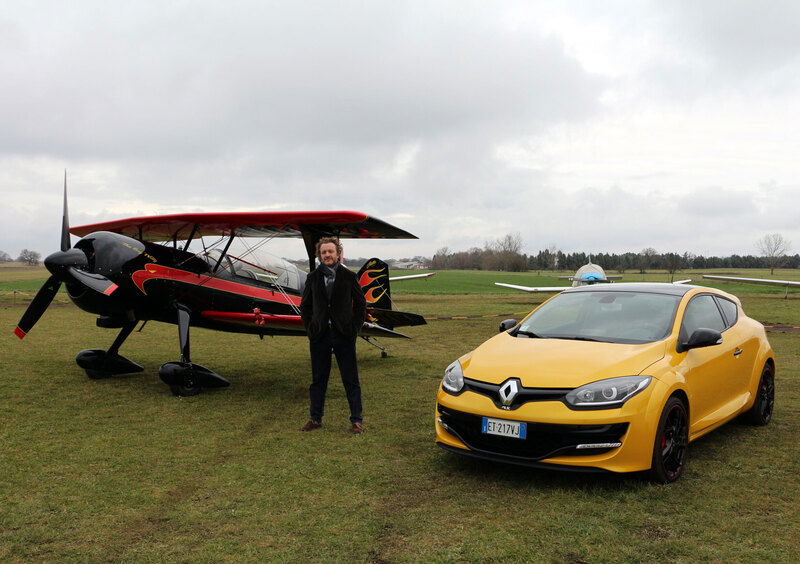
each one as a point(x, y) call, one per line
point(614, 317)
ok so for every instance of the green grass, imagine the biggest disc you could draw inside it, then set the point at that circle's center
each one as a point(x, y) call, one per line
point(120, 470)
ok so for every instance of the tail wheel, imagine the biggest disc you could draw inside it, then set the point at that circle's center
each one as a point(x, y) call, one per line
point(671, 442)
point(761, 412)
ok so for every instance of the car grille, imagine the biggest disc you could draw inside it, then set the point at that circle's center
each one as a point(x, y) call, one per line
point(524, 395)
point(544, 440)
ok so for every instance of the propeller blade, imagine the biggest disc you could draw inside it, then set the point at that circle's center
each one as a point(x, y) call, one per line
point(65, 241)
point(37, 307)
point(96, 282)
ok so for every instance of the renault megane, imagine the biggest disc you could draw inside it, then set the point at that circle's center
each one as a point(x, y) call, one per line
point(612, 378)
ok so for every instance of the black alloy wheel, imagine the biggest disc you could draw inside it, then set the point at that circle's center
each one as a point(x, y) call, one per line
point(761, 412)
point(672, 440)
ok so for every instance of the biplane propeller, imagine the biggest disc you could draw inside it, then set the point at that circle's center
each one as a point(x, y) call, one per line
point(134, 270)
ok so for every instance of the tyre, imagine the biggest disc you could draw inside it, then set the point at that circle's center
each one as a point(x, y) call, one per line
point(671, 442)
point(184, 390)
point(761, 412)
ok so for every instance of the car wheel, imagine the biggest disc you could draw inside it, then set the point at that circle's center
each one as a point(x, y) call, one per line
point(761, 412)
point(672, 439)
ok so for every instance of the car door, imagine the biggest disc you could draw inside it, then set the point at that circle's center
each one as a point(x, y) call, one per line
point(709, 371)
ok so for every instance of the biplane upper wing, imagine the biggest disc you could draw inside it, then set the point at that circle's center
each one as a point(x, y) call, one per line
point(342, 224)
point(785, 283)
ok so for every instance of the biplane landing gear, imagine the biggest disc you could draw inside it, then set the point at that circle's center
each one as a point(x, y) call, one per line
point(384, 354)
point(189, 379)
point(100, 364)
point(185, 378)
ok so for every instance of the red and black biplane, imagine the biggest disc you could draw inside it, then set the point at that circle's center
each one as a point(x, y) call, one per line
point(141, 269)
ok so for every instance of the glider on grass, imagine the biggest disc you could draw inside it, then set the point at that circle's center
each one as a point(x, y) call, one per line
point(140, 269)
point(587, 275)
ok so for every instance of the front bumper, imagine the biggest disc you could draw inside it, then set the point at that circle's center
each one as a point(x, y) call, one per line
point(554, 433)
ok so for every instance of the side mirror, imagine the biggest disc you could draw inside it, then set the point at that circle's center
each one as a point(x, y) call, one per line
point(507, 324)
point(701, 338)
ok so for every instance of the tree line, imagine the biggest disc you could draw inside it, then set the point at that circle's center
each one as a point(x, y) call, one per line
point(506, 254)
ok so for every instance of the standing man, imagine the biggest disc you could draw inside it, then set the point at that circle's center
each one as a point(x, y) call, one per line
point(333, 310)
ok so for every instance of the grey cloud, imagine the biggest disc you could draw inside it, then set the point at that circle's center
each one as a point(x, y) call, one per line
point(197, 81)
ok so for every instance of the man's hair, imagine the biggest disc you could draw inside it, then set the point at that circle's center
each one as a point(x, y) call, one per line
point(333, 240)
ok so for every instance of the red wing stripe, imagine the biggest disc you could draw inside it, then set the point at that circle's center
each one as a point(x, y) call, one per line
point(20, 333)
point(110, 289)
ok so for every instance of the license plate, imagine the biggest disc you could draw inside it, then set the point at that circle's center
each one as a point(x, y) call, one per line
point(503, 428)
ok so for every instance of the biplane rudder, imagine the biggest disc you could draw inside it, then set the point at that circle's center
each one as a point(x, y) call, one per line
point(374, 281)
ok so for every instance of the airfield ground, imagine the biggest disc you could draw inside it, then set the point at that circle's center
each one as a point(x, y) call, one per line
point(120, 470)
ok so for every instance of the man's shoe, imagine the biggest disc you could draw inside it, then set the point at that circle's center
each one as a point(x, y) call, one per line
point(311, 425)
point(357, 428)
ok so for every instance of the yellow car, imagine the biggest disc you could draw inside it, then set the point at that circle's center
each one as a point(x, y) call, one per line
point(613, 377)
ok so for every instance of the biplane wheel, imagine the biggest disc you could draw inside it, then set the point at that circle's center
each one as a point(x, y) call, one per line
point(97, 374)
point(384, 354)
point(183, 390)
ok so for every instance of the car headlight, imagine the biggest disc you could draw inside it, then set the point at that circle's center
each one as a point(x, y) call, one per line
point(606, 394)
point(453, 380)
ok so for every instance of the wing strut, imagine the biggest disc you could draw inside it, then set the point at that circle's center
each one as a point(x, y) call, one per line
point(191, 236)
point(225, 251)
point(310, 239)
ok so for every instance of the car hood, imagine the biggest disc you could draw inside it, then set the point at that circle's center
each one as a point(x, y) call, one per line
point(557, 363)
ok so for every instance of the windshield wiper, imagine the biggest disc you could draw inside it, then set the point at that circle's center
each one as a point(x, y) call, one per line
point(529, 334)
point(580, 338)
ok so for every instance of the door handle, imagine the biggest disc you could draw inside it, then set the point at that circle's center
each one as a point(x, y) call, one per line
point(737, 352)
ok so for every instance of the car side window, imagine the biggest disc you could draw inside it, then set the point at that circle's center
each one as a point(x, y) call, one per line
point(702, 312)
point(729, 310)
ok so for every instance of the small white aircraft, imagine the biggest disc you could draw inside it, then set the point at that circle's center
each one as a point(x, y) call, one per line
point(783, 283)
point(586, 275)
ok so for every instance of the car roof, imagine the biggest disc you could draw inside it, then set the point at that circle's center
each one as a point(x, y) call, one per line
point(648, 287)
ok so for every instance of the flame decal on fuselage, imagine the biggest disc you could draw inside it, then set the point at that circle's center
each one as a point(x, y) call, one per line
point(159, 272)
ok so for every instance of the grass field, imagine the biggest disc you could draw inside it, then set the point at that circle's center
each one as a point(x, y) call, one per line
point(120, 470)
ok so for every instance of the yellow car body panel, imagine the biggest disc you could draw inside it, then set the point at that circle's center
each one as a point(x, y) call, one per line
point(716, 382)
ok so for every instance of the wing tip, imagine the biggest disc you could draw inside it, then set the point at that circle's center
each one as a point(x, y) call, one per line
point(20, 333)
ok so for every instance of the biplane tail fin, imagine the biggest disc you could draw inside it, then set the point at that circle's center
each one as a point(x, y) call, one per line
point(374, 281)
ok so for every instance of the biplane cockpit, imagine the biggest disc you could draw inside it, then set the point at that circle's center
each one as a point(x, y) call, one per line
point(258, 265)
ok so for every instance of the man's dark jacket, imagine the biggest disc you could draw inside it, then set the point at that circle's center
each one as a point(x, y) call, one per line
point(347, 308)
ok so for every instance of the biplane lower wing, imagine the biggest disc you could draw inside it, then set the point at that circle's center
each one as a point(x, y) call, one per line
point(291, 323)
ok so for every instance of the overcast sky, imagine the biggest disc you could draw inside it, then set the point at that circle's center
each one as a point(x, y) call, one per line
point(591, 126)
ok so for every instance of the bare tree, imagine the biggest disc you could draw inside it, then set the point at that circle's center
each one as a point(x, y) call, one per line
point(5, 257)
point(773, 248)
point(439, 260)
point(646, 257)
point(29, 257)
point(672, 262)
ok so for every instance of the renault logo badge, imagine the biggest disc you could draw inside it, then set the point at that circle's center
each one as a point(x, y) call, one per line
point(508, 392)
